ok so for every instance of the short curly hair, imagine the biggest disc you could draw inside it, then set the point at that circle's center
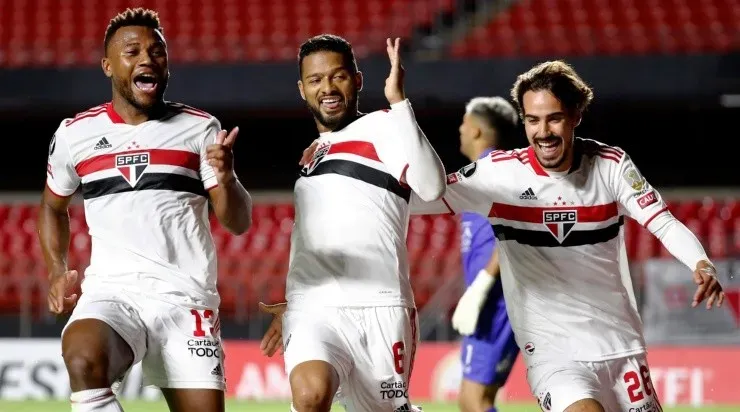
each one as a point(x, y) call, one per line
point(132, 17)
point(560, 79)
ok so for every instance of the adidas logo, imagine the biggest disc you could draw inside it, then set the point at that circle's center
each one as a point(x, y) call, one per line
point(403, 408)
point(217, 371)
point(102, 144)
point(528, 195)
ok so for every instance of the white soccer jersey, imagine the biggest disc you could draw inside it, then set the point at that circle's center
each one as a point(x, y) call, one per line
point(145, 196)
point(351, 214)
point(564, 268)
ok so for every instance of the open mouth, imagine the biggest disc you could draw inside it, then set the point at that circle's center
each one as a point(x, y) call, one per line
point(549, 146)
point(146, 82)
point(331, 103)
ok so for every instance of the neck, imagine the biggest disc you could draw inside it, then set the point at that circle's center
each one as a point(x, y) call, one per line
point(347, 120)
point(478, 152)
point(132, 115)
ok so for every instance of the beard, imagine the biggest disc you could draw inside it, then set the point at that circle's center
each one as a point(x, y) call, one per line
point(335, 121)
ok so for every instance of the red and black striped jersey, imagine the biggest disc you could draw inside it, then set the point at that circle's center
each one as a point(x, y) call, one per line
point(348, 244)
point(564, 269)
point(145, 196)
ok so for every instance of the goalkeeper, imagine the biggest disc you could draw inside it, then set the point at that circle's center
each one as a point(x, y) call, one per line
point(489, 350)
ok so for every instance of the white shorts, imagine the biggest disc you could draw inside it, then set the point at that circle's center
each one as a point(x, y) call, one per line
point(620, 385)
point(179, 346)
point(372, 349)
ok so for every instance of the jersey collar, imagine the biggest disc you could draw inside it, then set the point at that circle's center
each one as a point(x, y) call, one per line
point(540, 171)
point(112, 115)
point(486, 152)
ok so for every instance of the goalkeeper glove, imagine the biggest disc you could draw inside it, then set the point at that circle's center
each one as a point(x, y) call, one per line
point(468, 308)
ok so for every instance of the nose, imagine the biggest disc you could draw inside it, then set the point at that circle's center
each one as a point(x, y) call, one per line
point(544, 129)
point(145, 59)
point(327, 86)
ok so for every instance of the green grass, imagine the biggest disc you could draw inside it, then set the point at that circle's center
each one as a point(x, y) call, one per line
point(244, 406)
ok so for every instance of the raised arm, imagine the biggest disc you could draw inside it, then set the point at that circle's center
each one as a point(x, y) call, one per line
point(232, 204)
point(643, 203)
point(401, 145)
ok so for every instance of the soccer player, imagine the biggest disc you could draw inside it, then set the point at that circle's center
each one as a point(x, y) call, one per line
point(147, 169)
point(351, 319)
point(488, 348)
point(557, 209)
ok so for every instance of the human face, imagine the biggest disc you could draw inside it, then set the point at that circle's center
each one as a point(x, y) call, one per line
point(550, 129)
point(469, 132)
point(330, 88)
point(136, 62)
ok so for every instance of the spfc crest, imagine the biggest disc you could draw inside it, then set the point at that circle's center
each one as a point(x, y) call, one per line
point(560, 222)
point(132, 166)
point(317, 156)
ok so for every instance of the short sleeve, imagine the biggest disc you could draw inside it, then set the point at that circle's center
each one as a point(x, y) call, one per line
point(207, 174)
point(61, 177)
point(637, 198)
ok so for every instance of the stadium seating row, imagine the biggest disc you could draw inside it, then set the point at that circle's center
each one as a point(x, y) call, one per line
point(40, 32)
point(252, 267)
point(606, 27)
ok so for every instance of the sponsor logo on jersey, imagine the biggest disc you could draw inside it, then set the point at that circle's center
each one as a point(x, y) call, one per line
point(102, 144)
point(647, 199)
point(560, 222)
point(634, 179)
point(547, 402)
point(204, 348)
point(453, 178)
point(394, 390)
point(132, 166)
point(529, 348)
point(528, 195)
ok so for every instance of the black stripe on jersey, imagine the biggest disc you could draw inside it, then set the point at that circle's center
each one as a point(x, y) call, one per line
point(543, 238)
point(148, 181)
point(361, 172)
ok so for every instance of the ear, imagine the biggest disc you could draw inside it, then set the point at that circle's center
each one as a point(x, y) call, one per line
point(300, 90)
point(358, 81)
point(105, 64)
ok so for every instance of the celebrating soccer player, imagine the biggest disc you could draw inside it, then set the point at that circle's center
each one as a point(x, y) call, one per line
point(147, 169)
point(557, 209)
point(351, 319)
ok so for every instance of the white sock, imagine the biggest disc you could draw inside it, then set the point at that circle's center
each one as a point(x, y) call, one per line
point(95, 400)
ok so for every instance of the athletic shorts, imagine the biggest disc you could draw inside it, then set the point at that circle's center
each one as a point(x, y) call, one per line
point(621, 384)
point(489, 363)
point(372, 350)
point(178, 346)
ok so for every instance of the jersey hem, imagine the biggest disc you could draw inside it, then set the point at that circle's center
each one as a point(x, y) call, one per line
point(611, 356)
point(302, 303)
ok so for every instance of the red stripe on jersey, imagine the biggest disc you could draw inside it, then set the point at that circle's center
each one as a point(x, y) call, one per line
point(358, 148)
point(87, 114)
point(611, 150)
point(533, 214)
point(647, 222)
point(608, 156)
point(501, 159)
point(194, 112)
point(536, 166)
point(114, 117)
point(452, 212)
point(170, 157)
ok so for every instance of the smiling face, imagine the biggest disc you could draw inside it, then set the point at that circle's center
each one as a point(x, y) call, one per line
point(329, 86)
point(136, 62)
point(549, 128)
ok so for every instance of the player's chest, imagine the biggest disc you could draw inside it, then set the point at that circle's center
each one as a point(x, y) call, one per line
point(125, 138)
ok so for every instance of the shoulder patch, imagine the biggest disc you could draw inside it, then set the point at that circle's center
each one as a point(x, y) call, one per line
point(52, 144)
point(469, 170)
point(634, 179)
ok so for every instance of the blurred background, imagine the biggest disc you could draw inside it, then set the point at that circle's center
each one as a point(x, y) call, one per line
point(666, 76)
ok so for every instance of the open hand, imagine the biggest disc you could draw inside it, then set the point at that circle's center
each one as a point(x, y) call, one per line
point(220, 155)
point(394, 83)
